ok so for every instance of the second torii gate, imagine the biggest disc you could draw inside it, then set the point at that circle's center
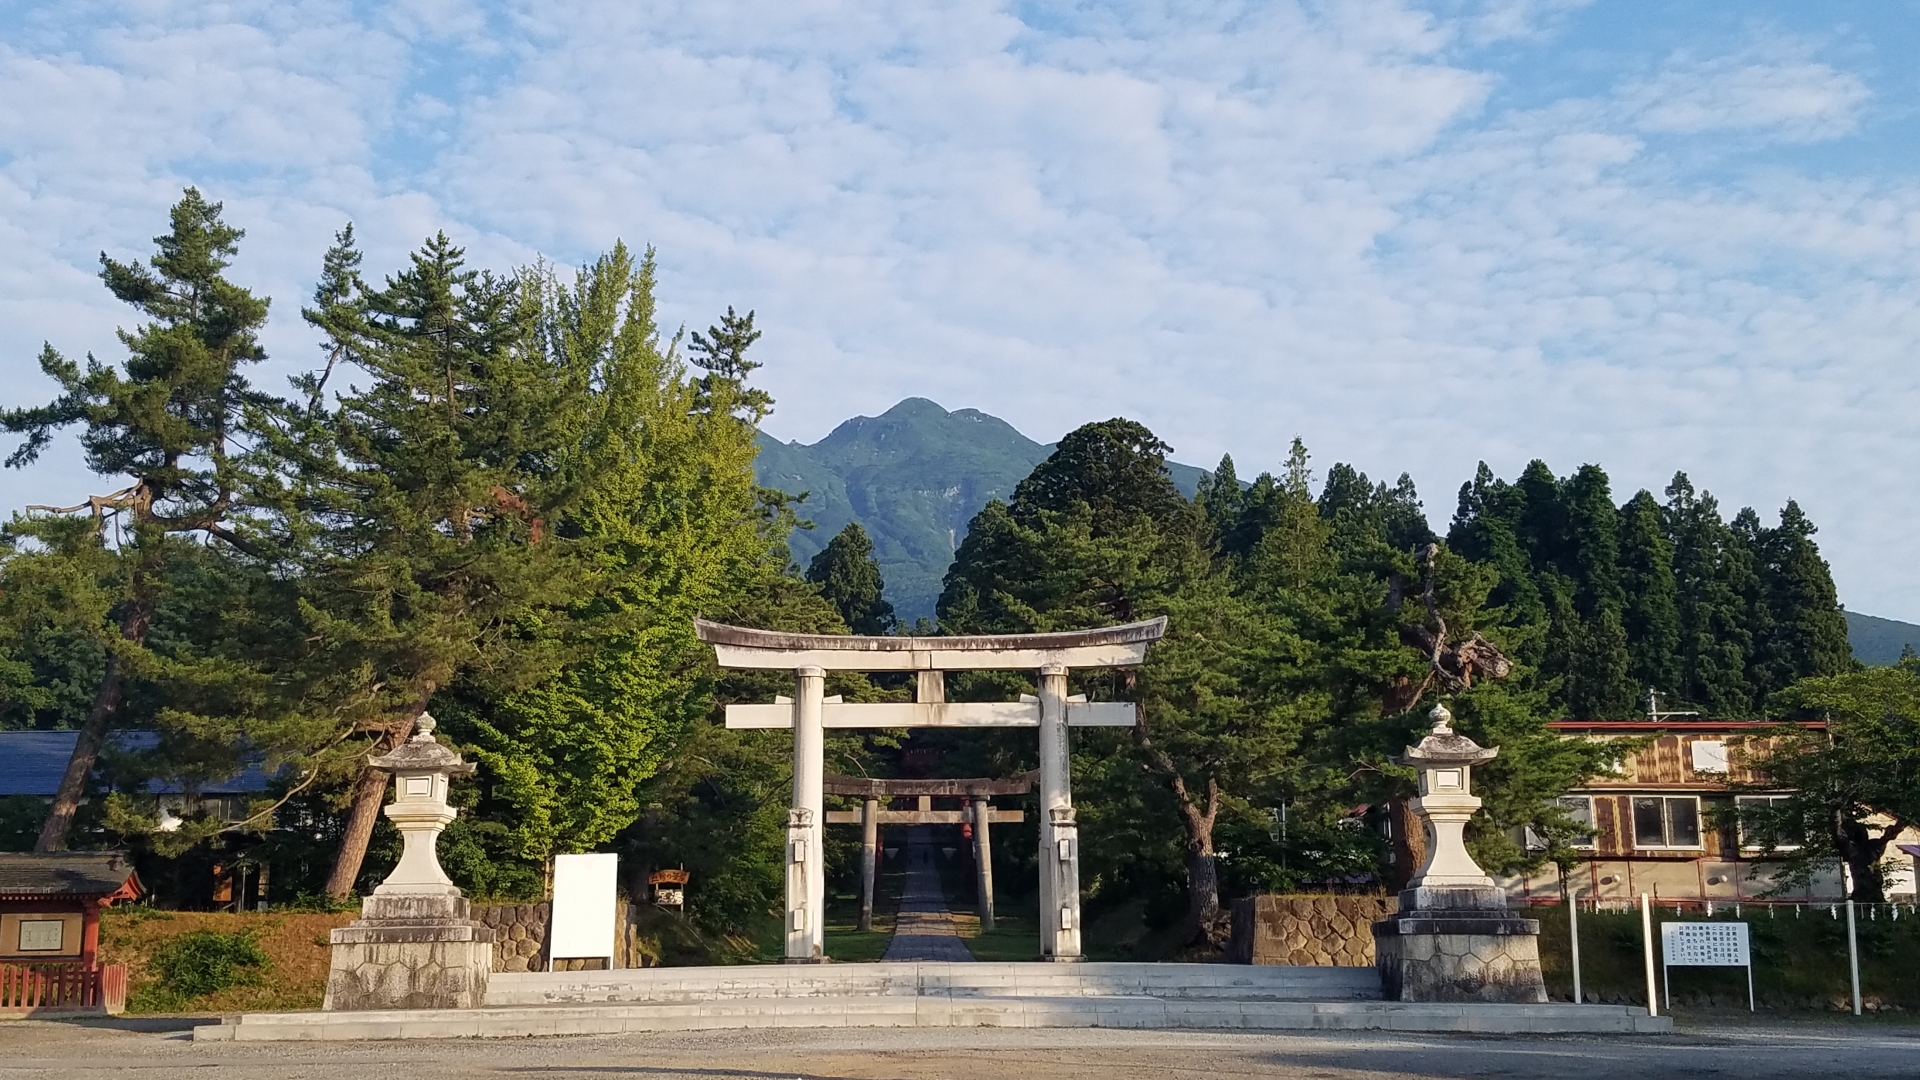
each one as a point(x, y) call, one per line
point(979, 813)
point(808, 714)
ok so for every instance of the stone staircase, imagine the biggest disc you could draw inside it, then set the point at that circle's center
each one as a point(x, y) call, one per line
point(928, 979)
point(933, 994)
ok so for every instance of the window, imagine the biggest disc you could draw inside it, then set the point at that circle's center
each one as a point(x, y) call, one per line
point(1786, 835)
point(1580, 809)
point(1577, 807)
point(1670, 821)
point(1709, 756)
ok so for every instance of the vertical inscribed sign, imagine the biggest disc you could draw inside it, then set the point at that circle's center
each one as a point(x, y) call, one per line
point(1706, 944)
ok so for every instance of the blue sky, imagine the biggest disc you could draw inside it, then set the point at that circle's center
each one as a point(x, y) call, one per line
point(1654, 236)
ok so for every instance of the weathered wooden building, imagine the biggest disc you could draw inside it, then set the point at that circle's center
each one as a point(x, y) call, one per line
point(1662, 824)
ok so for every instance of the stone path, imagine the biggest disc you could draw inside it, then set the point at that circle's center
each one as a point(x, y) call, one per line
point(924, 929)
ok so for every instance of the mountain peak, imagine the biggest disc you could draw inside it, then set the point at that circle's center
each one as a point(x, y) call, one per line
point(913, 477)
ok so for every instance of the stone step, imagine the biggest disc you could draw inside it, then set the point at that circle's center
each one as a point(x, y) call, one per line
point(1110, 1011)
point(1171, 981)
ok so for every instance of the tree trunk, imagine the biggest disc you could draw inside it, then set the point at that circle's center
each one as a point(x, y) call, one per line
point(55, 831)
point(1203, 884)
point(368, 792)
point(1203, 871)
point(1863, 852)
point(1409, 843)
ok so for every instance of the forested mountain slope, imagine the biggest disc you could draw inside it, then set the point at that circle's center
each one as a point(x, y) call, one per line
point(1880, 641)
point(913, 477)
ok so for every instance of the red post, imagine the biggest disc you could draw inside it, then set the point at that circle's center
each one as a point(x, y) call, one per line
point(90, 935)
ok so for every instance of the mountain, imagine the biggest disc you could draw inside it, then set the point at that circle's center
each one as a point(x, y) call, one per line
point(913, 477)
point(1879, 641)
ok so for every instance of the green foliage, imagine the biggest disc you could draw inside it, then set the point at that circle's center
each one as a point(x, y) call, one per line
point(850, 580)
point(202, 962)
point(663, 496)
point(170, 418)
point(1853, 787)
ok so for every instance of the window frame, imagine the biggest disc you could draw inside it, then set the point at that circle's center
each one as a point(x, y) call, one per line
point(1593, 826)
point(1666, 823)
point(1741, 826)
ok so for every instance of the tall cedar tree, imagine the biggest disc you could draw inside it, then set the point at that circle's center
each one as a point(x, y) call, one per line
point(1556, 545)
point(1716, 643)
point(1652, 612)
point(849, 578)
point(1807, 633)
point(421, 505)
point(169, 420)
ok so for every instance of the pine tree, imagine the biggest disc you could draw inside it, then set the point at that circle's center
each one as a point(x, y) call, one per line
point(850, 579)
point(1651, 615)
point(422, 505)
point(168, 419)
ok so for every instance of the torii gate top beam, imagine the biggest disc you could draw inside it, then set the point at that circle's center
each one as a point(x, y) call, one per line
point(1112, 646)
point(835, 784)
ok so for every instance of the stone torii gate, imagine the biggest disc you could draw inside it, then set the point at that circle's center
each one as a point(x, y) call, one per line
point(979, 813)
point(809, 713)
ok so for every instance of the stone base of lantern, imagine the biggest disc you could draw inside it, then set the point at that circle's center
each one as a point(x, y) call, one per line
point(1458, 944)
point(410, 951)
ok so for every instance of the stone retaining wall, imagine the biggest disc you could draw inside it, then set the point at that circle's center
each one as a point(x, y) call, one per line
point(521, 944)
point(1324, 930)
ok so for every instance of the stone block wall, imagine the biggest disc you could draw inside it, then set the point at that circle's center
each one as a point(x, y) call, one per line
point(521, 944)
point(1307, 930)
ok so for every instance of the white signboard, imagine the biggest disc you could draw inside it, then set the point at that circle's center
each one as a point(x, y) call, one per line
point(1706, 944)
point(41, 935)
point(583, 907)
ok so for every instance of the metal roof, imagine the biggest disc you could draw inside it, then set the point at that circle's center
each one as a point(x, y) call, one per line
point(32, 763)
point(65, 873)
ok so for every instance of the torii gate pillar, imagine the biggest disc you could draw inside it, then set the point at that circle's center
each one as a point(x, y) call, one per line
point(806, 847)
point(1059, 862)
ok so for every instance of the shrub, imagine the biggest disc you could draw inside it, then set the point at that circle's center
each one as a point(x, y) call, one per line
point(203, 962)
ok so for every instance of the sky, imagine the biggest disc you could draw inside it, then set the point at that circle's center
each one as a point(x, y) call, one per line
point(1418, 235)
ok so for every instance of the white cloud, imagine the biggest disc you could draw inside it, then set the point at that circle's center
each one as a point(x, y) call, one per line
point(1789, 97)
point(1233, 221)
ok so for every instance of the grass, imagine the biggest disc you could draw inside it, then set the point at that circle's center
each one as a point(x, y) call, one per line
point(295, 944)
point(848, 945)
point(1798, 962)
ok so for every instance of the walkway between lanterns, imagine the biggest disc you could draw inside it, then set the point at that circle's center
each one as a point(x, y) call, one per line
point(924, 929)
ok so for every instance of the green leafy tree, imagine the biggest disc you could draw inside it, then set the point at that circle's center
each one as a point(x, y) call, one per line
point(661, 467)
point(1853, 787)
point(168, 419)
point(849, 578)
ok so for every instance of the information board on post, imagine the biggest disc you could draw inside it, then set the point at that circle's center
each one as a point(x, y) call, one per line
point(584, 908)
point(1705, 944)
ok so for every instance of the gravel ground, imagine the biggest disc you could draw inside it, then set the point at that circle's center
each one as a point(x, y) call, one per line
point(1729, 1049)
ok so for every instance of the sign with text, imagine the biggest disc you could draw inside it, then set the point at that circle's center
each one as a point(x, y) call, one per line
point(1706, 944)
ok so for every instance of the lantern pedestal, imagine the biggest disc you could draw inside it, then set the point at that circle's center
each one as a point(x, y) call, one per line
point(1454, 938)
point(415, 944)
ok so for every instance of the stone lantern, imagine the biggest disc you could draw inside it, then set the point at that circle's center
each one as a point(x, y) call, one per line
point(1454, 938)
point(1446, 803)
point(415, 945)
